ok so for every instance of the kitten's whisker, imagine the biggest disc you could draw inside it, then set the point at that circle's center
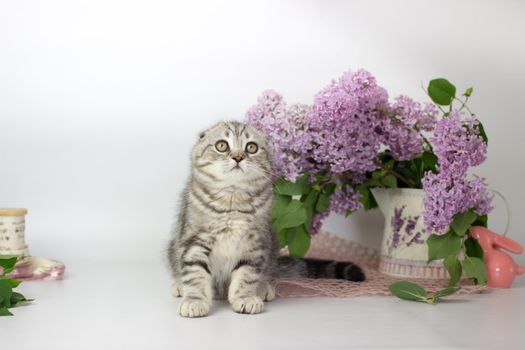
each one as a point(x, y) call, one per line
point(263, 173)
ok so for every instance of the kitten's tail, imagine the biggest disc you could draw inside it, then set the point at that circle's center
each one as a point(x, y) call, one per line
point(314, 268)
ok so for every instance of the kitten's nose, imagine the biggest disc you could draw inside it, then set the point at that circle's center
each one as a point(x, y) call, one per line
point(238, 158)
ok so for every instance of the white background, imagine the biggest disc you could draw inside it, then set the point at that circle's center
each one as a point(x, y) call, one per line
point(100, 101)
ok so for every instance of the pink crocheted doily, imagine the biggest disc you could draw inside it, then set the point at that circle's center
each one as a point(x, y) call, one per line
point(327, 246)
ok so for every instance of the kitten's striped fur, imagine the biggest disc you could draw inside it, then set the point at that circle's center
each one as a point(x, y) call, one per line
point(223, 245)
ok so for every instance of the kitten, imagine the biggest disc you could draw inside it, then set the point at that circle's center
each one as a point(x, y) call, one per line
point(223, 243)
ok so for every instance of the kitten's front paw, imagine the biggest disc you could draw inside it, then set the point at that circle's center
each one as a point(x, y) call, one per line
point(267, 292)
point(248, 305)
point(193, 308)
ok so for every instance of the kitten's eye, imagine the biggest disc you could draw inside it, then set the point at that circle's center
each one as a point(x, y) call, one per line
point(222, 146)
point(251, 147)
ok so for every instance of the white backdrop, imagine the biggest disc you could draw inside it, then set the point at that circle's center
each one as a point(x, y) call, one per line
point(100, 101)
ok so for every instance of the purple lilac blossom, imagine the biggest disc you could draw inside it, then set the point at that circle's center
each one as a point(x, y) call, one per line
point(415, 114)
point(402, 124)
point(458, 145)
point(446, 196)
point(344, 201)
point(286, 128)
point(317, 221)
point(342, 123)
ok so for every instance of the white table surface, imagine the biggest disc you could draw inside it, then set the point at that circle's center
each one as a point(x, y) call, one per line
point(128, 306)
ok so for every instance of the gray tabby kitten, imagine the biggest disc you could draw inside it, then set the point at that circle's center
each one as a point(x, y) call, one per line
point(223, 243)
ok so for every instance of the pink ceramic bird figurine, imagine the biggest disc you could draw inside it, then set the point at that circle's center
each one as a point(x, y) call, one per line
point(501, 268)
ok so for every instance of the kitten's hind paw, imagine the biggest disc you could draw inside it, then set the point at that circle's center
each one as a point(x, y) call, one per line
point(248, 305)
point(193, 308)
point(176, 290)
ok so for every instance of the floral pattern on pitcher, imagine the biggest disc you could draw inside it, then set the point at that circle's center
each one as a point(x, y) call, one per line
point(404, 233)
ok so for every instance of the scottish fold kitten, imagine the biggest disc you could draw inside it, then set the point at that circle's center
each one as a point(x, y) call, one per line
point(223, 244)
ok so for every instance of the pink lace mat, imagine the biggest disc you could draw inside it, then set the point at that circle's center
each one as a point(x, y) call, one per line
point(327, 246)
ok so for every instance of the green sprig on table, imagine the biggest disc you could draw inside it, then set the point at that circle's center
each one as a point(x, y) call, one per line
point(414, 292)
point(8, 297)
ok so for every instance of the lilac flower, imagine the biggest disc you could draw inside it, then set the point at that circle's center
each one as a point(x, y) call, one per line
point(403, 142)
point(414, 114)
point(458, 145)
point(401, 127)
point(342, 123)
point(343, 201)
point(286, 128)
point(317, 221)
point(446, 196)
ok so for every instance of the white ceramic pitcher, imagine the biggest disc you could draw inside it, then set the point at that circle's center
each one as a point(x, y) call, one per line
point(404, 251)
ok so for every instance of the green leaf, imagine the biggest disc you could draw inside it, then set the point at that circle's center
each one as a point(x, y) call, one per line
point(285, 187)
point(468, 93)
point(473, 249)
point(282, 237)
point(446, 292)
point(322, 177)
point(7, 263)
point(309, 203)
point(482, 133)
point(329, 189)
point(12, 281)
point(370, 183)
point(5, 312)
point(430, 161)
point(5, 293)
point(441, 91)
point(366, 198)
point(482, 220)
point(454, 269)
point(298, 241)
point(389, 181)
point(462, 222)
point(323, 203)
point(6, 257)
point(18, 299)
point(475, 267)
point(415, 166)
point(408, 291)
point(378, 174)
point(439, 247)
point(280, 202)
point(294, 214)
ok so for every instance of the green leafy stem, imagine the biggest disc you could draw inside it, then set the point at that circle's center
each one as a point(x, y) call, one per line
point(460, 253)
point(414, 292)
point(9, 298)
